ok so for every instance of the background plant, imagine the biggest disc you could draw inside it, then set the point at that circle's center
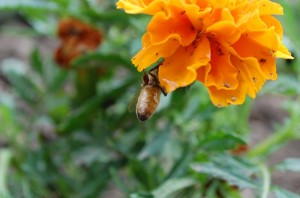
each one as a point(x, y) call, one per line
point(67, 135)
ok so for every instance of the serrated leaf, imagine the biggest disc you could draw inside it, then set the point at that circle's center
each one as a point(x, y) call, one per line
point(218, 172)
point(19, 77)
point(24, 86)
point(172, 186)
point(221, 141)
point(282, 193)
point(232, 170)
point(290, 164)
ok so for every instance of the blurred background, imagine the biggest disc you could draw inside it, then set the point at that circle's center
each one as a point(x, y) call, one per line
point(66, 81)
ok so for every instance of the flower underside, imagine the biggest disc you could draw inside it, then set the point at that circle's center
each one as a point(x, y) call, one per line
point(228, 45)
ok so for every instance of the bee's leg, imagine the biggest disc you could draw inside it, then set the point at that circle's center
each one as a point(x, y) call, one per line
point(155, 76)
point(163, 90)
point(154, 68)
point(145, 79)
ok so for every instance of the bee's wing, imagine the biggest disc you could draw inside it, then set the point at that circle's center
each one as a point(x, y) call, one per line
point(133, 101)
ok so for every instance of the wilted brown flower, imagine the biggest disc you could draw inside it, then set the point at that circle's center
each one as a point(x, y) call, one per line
point(77, 38)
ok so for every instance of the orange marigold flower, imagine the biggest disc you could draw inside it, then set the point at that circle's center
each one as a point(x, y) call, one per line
point(77, 38)
point(228, 45)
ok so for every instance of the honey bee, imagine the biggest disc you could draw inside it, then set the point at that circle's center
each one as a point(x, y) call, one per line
point(149, 95)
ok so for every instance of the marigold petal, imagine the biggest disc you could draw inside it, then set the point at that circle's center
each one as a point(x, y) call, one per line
point(173, 25)
point(268, 66)
point(267, 7)
point(226, 15)
point(251, 22)
point(283, 52)
point(267, 38)
point(223, 14)
point(141, 6)
point(250, 80)
point(242, 9)
point(250, 73)
point(203, 72)
point(179, 70)
point(197, 17)
point(151, 53)
point(271, 21)
point(223, 4)
point(225, 31)
point(263, 55)
point(222, 73)
point(223, 98)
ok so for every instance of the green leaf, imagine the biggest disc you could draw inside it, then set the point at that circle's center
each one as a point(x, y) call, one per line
point(118, 180)
point(282, 193)
point(82, 114)
point(58, 80)
point(285, 84)
point(290, 164)
point(154, 146)
point(94, 60)
point(181, 165)
point(141, 195)
point(221, 141)
point(172, 186)
point(115, 16)
point(20, 5)
point(24, 86)
point(233, 170)
point(140, 172)
point(36, 61)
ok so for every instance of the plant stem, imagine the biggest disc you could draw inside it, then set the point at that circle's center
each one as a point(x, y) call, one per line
point(266, 181)
point(5, 156)
point(265, 147)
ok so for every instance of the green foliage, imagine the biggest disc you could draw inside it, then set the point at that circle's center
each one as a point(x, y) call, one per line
point(233, 170)
point(290, 164)
point(68, 133)
point(281, 193)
